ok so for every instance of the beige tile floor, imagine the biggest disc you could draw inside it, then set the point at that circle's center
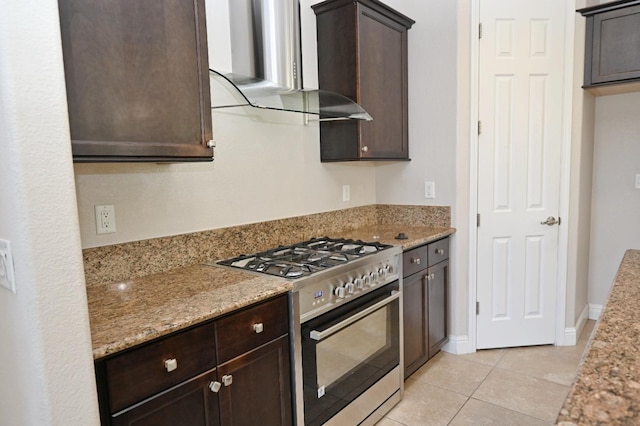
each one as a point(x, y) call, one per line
point(515, 386)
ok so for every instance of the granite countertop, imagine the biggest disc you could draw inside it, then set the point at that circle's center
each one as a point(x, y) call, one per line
point(607, 386)
point(416, 235)
point(125, 314)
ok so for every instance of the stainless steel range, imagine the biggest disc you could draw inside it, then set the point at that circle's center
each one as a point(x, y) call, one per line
point(346, 326)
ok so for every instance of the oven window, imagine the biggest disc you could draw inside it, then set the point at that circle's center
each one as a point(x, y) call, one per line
point(339, 366)
point(357, 344)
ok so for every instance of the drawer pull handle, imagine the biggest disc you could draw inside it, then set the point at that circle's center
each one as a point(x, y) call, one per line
point(258, 328)
point(170, 364)
point(415, 260)
point(215, 386)
point(440, 251)
point(227, 379)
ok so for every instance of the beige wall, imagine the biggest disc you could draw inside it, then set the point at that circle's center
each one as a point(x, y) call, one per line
point(615, 225)
point(46, 364)
point(579, 220)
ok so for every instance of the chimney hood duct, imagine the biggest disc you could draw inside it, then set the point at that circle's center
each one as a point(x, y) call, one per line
point(266, 64)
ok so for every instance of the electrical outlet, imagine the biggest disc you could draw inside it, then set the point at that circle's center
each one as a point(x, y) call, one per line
point(346, 192)
point(637, 181)
point(429, 190)
point(105, 219)
point(7, 276)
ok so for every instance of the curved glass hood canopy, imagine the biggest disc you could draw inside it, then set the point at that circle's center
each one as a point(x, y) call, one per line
point(263, 40)
point(262, 94)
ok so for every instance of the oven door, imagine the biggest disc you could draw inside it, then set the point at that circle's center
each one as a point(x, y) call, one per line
point(347, 350)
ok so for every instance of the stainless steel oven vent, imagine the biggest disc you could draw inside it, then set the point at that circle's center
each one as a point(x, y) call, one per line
point(265, 62)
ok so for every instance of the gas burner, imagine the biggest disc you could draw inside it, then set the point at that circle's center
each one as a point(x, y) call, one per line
point(305, 258)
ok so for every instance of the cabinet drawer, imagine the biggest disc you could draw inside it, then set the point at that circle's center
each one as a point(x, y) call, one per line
point(140, 373)
point(415, 260)
point(438, 251)
point(239, 332)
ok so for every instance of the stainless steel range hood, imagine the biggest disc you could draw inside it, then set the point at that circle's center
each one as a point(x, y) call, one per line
point(264, 60)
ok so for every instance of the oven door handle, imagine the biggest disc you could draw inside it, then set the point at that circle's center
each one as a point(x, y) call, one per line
point(320, 335)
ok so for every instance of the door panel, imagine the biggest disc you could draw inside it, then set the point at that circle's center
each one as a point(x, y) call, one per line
point(521, 69)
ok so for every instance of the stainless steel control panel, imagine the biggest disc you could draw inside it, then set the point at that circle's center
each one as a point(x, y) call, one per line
point(329, 290)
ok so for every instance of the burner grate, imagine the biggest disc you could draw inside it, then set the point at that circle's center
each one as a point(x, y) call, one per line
point(305, 258)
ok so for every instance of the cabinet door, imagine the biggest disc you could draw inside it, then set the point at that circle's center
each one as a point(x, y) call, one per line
point(256, 387)
point(382, 57)
point(437, 284)
point(362, 54)
point(613, 43)
point(191, 403)
point(137, 79)
point(415, 323)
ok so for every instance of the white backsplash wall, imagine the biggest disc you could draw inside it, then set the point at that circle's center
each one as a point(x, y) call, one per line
point(266, 167)
point(615, 215)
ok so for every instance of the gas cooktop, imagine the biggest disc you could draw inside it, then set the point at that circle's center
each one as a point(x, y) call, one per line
point(305, 258)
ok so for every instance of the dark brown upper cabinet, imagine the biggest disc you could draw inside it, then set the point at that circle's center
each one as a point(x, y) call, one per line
point(362, 54)
point(137, 80)
point(612, 47)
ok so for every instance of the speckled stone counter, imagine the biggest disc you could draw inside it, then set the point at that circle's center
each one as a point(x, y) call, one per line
point(143, 290)
point(141, 258)
point(125, 314)
point(607, 386)
point(416, 235)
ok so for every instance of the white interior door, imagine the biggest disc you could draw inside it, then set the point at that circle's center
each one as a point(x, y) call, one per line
point(521, 62)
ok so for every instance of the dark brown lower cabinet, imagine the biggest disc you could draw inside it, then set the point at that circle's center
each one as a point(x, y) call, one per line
point(260, 389)
point(190, 403)
point(415, 323)
point(437, 289)
point(230, 371)
point(425, 295)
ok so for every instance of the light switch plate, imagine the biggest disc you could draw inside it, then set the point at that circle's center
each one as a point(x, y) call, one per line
point(430, 190)
point(346, 192)
point(7, 275)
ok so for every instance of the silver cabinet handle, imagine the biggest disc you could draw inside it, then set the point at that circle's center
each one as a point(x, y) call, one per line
point(227, 379)
point(415, 260)
point(170, 364)
point(364, 148)
point(258, 328)
point(211, 144)
point(440, 251)
point(551, 221)
point(215, 386)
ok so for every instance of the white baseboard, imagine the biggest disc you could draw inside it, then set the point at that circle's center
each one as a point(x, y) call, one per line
point(459, 345)
point(571, 334)
point(595, 311)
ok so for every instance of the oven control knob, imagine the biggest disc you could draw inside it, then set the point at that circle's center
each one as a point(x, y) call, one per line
point(359, 282)
point(350, 287)
point(339, 291)
point(374, 277)
point(366, 280)
point(383, 272)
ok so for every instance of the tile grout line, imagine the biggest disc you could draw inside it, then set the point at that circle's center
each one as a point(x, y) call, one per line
point(477, 387)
